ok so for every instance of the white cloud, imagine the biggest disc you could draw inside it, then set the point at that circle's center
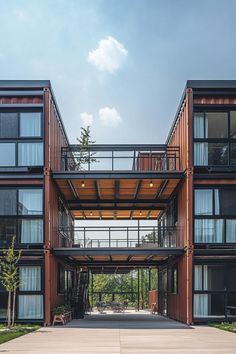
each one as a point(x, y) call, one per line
point(109, 55)
point(86, 118)
point(109, 117)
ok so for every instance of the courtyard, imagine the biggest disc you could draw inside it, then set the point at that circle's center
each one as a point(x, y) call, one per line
point(127, 333)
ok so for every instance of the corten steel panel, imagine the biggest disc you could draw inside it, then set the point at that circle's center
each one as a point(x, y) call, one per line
point(20, 100)
point(213, 181)
point(152, 298)
point(180, 305)
point(214, 100)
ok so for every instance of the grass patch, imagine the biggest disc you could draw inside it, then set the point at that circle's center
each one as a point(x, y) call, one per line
point(16, 331)
point(230, 327)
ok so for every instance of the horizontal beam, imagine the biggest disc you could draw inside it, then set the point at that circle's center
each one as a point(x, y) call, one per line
point(138, 251)
point(109, 208)
point(22, 105)
point(118, 201)
point(125, 147)
point(114, 175)
point(24, 93)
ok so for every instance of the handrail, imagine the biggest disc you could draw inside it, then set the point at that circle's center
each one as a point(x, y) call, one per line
point(122, 236)
point(115, 157)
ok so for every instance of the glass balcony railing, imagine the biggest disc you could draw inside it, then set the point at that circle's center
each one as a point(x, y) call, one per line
point(122, 237)
point(140, 158)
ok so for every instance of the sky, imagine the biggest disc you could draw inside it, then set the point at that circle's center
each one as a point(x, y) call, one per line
point(118, 65)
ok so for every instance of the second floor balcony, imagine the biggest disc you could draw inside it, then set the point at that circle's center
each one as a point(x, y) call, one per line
point(122, 236)
point(139, 158)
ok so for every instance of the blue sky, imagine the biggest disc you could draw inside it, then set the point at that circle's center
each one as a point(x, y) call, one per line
point(119, 64)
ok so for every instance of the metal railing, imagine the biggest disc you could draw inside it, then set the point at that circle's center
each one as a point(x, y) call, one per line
point(121, 158)
point(123, 237)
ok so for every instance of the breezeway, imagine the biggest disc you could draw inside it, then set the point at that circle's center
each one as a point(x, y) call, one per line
point(128, 333)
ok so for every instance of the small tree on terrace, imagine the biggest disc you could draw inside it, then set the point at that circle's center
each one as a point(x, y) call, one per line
point(85, 156)
point(9, 277)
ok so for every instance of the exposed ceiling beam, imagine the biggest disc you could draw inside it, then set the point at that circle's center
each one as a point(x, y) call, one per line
point(97, 188)
point(137, 189)
point(131, 214)
point(149, 214)
point(117, 189)
point(74, 191)
point(161, 188)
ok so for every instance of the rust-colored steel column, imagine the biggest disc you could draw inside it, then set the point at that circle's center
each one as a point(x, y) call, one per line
point(189, 252)
point(47, 233)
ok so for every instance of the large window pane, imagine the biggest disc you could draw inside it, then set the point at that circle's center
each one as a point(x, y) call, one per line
point(7, 202)
point(200, 154)
point(233, 154)
point(3, 304)
point(30, 124)
point(231, 276)
point(233, 124)
point(30, 154)
point(208, 231)
point(218, 154)
point(30, 278)
point(7, 154)
point(217, 123)
point(30, 307)
point(30, 202)
point(231, 231)
point(215, 278)
point(227, 201)
point(199, 125)
point(203, 202)
point(31, 231)
point(7, 231)
point(209, 305)
point(8, 125)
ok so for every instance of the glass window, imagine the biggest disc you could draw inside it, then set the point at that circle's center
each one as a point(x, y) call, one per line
point(233, 154)
point(7, 202)
point(30, 154)
point(208, 230)
point(7, 230)
point(3, 304)
point(227, 201)
point(174, 278)
point(8, 125)
point(30, 202)
point(30, 307)
point(62, 280)
point(233, 124)
point(7, 154)
point(209, 305)
point(30, 278)
point(231, 275)
point(217, 154)
point(209, 277)
point(203, 201)
point(31, 231)
point(216, 125)
point(199, 125)
point(231, 231)
point(200, 154)
point(30, 124)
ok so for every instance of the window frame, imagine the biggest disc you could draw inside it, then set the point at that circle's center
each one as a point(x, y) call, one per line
point(229, 140)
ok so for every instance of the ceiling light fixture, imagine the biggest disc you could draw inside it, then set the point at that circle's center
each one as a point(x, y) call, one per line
point(150, 184)
point(82, 184)
point(91, 213)
point(140, 213)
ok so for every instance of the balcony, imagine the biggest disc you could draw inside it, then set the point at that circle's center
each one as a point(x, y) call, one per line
point(119, 248)
point(135, 158)
point(122, 236)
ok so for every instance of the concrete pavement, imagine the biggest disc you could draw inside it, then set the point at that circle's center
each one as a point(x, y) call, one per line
point(129, 333)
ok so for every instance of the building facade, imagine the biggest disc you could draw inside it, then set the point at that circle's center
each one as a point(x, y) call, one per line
point(187, 187)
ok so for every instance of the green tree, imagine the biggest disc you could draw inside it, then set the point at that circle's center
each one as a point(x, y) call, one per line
point(85, 155)
point(9, 276)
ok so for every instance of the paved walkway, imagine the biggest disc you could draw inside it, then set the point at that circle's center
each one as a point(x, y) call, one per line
point(139, 333)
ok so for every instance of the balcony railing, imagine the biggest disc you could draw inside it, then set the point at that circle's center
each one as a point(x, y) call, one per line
point(121, 158)
point(123, 237)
